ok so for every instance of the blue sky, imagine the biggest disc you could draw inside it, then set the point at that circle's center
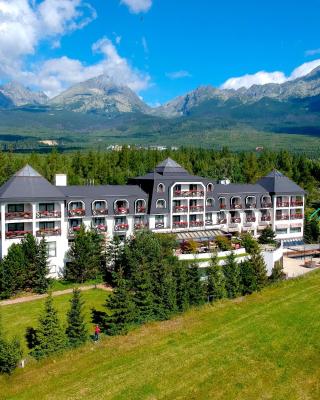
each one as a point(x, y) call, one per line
point(160, 48)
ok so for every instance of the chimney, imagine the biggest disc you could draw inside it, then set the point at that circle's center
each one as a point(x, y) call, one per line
point(61, 180)
point(225, 181)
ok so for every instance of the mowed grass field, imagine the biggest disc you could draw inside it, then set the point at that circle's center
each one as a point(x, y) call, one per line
point(263, 346)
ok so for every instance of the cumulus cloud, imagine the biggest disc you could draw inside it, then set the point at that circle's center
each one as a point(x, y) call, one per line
point(263, 77)
point(178, 74)
point(55, 75)
point(137, 6)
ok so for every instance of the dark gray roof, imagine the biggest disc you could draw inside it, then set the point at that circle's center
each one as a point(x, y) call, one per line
point(169, 167)
point(238, 188)
point(28, 184)
point(276, 182)
point(103, 191)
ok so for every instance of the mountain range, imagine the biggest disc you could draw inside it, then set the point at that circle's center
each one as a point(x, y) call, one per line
point(100, 105)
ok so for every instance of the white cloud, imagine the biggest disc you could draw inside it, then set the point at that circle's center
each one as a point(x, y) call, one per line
point(178, 74)
point(312, 52)
point(55, 75)
point(263, 77)
point(138, 6)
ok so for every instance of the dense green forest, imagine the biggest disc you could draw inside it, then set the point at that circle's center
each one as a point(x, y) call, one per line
point(115, 167)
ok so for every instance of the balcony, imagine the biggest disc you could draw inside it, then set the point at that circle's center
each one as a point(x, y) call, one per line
point(222, 220)
point(296, 216)
point(121, 210)
point(194, 224)
point(208, 222)
point(265, 218)
point(188, 193)
point(139, 226)
point(180, 209)
point(19, 215)
point(222, 206)
point(140, 210)
point(266, 204)
point(159, 225)
point(180, 224)
point(298, 203)
point(49, 232)
point(99, 211)
point(235, 220)
point(251, 205)
point(101, 228)
point(250, 219)
point(73, 230)
point(17, 234)
point(196, 208)
point(77, 212)
point(48, 214)
point(121, 227)
point(282, 217)
point(283, 203)
point(236, 206)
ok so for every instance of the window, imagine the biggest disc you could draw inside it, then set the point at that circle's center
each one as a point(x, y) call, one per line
point(209, 216)
point(192, 186)
point(46, 207)
point(74, 222)
point(281, 231)
point(98, 205)
point(160, 188)
point(15, 208)
point(16, 227)
point(46, 225)
point(210, 187)
point(295, 230)
point(51, 249)
point(99, 221)
point(159, 218)
point(161, 204)
point(75, 204)
point(209, 202)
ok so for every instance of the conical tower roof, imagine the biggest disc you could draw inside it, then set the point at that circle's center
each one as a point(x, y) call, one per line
point(276, 182)
point(169, 167)
point(28, 184)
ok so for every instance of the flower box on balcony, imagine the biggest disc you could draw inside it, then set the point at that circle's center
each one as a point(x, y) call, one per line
point(49, 232)
point(236, 220)
point(266, 205)
point(196, 208)
point(16, 234)
point(266, 218)
point(282, 204)
point(236, 206)
point(77, 212)
point(181, 208)
point(251, 205)
point(251, 219)
point(223, 206)
point(189, 193)
point(121, 210)
point(100, 211)
point(140, 226)
point(222, 220)
point(48, 214)
point(196, 223)
point(180, 224)
point(101, 228)
point(19, 215)
point(121, 227)
point(296, 216)
point(297, 203)
point(282, 217)
point(159, 225)
point(209, 222)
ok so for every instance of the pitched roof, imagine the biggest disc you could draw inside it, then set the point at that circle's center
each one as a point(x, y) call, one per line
point(102, 191)
point(239, 188)
point(276, 182)
point(169, 166)
point(28, 184)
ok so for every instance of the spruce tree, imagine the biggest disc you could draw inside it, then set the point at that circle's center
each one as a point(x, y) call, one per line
point(267, 236)
point(180, 275)
point(260, 269)
point(248, 277)
point(10, 353)
point(50, 336)
point(41, 280)
point(277, 273)
point(232, 276)
point(76, 331)
point(12, 271)
point(195, 286)
point(30, 250)
point(143, 295)
point(121, 307)
point(216, 288)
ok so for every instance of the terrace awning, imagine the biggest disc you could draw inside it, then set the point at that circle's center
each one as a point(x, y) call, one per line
point(209, 234)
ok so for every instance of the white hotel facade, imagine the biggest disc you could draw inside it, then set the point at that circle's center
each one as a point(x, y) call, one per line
point(167, 199)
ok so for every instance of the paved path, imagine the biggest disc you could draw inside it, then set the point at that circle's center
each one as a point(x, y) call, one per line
point(56, 293)
point(294, 267)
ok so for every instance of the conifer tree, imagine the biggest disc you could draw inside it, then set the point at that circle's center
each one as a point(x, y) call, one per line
point(232, 276)
point(216, 288)
point(30, 250)
point(143, 295)
point(10, 353)
point(277, 273)
point(267, 236)
point(76, 331)
point(50, 336)
point(195, 286)
point(120, 306)
point(248, 277)
point(180, 275)
point(260, 269)
point(41, 281)
point(12, 271)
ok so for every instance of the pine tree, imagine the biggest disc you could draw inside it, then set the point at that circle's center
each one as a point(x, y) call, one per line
point(12, 272)
point(76, 331)
point(121, 307)
point(232, 276)
point(30, 250)
point(10, 353)
point(195, 286)
point(180, 275)
point(41, 281)
point(260, 269)
point(143, 295)
point(216, 288)
point(267, 236)
point(248, 277)
point(50, 336)
point(277, 273)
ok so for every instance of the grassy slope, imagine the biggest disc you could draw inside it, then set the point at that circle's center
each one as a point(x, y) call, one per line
point(263, 347)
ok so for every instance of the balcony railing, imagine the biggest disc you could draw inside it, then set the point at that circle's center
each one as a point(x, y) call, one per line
point(282, 217)
point(99, 211)
point(139, 226)
point(49, 232)
point(73, 230)
point(296, 216)
point(283, 204)
point(48, 214)
point(296, 203)
point(16, 234)
point(195, 223)
point(222, 206)
point(236, 206)
point(222, 220)
point(19, 215)
point(251, 205)
point(189, 193)
point(196, 208)
point(208, 222)
point(235, 220)
point(77, 212)
point(140, 210)
point(101, 227)
point(121, 210)
point(250, 219)
point(265, 217)
point(266, 204)
point(180, 208)
point(180, 224)
point(159, 225)
point(121, 227)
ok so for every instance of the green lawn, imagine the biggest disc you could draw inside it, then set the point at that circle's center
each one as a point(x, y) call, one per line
point(17, 317)
point(265, 346)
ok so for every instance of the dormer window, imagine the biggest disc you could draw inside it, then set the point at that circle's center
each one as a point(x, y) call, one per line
point(160, 188)
point(210, 187)
point(209, 202)
point(161, 203)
